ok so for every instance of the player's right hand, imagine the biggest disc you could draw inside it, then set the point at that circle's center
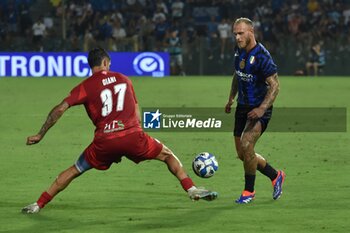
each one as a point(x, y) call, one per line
point(34, 139)
point(228, 107)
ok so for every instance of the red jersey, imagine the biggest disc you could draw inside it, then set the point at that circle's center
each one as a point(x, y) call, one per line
point(109, 100)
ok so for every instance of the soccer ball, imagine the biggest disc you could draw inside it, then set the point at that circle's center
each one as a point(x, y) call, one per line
point(205, 165)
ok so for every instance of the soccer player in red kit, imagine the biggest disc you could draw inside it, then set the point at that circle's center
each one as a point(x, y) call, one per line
point(111, 104)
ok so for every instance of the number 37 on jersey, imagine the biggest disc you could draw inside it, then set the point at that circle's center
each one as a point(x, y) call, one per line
point(107, 99)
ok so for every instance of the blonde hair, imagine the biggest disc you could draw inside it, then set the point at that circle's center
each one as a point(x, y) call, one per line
point(244, 20)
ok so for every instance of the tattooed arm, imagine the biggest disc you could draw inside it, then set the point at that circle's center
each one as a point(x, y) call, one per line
point(269, 98)
point(233, 92)
point(52, 118)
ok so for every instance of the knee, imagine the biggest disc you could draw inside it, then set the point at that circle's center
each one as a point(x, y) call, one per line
point(240, 154)
point(247, 149)
point(245, 146)
point(66, 176)
point(165, 154)
point(73, 172)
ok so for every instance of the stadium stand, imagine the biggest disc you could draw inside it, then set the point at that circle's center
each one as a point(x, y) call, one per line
point(287, 28)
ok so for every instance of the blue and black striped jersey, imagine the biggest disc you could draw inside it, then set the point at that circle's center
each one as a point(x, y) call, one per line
point(251, 70)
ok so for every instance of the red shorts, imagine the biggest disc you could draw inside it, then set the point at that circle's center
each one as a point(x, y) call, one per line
point(137, 146)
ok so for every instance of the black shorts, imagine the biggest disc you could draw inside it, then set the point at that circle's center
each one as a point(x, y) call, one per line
point(241, 119)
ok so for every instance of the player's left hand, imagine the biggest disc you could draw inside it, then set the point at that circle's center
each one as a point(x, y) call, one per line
point(34, 139)
point(256, 113)
point(228, 107)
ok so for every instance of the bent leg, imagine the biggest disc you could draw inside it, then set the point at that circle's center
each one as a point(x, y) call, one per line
point(63, 180)
point(251, 134)
point(263, 166)
point(173, 163)
point(261, 159)
point(176, 168)
point(60, 183)
point(249, 138)
point(68, 175)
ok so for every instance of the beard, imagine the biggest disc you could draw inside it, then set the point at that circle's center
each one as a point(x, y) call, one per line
point(245, 43)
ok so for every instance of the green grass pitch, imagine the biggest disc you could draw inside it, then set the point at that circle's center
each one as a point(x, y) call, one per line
point(145, 197)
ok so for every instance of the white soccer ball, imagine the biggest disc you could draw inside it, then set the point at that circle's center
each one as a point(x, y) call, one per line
point(205, 165)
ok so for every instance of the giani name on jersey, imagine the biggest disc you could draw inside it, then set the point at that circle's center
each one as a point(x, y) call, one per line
point(108, 80)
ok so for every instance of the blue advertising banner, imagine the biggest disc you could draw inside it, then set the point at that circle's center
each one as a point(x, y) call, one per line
point(67, 64)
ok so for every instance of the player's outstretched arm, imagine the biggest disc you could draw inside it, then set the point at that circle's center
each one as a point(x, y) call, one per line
point(52, 118)
point(233, 92)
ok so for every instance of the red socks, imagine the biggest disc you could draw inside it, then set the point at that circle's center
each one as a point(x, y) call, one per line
point(187, 183)
point(44, 199)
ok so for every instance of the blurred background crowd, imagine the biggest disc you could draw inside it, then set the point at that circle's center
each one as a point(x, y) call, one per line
point(197, 31)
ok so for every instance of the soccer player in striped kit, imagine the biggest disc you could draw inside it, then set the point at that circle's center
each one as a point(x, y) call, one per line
point(256, 82)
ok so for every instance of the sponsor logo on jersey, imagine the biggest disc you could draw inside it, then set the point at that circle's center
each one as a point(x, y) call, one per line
point(244, 77)
point(114, 126)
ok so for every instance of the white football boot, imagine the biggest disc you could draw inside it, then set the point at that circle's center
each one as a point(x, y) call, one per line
point(31, 209)
point(201, 193)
